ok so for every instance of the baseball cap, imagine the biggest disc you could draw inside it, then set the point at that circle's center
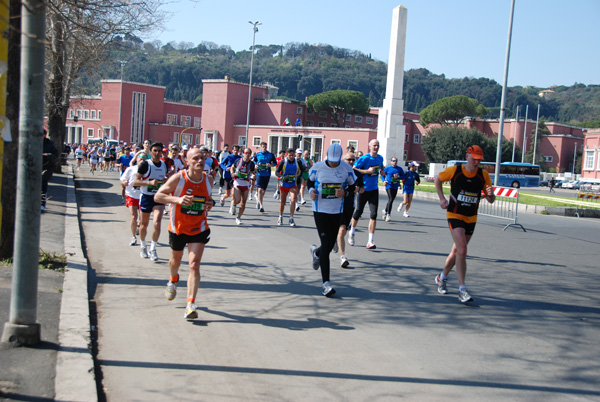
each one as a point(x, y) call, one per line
point(414, 164)
point(184, 148)
point(476, 152)
point(334, 153)
point(298, 151)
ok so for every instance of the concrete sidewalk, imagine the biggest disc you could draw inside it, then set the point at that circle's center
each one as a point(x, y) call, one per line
point(61, 366)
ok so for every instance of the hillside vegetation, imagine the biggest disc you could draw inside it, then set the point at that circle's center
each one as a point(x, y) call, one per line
point(300, 70)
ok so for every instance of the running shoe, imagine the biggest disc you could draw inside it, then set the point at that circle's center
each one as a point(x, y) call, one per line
point(143, 252)
point(220, 190)
point(262, 209)
point(328, 290)
point(388, 218)
point(280, 221)
point(400, 207)
point(464, 296)
point(292, 223)
point(231, 211)
point(315, 259)
point(171, 290)
point(43, 208)
point(234, 208)
point(371, 245)
point(405, 214)
point(238, 221)
point(250, 197)
point(302, 201)
point(257, 204)
point(133, 241)
point(384, 214)
point(222, 201)
point(344, 261)
point(351, 239)
point(190, 311)
point(276, 195)
point(441, 284)
point(153, 256)
point(297, 208)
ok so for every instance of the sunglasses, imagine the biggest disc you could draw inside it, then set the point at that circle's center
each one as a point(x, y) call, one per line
point(248, 153)
point(350, 160)
point(394, 160)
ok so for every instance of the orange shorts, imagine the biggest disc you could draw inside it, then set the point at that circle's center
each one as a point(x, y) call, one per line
point(287, 189)
point(132, 202)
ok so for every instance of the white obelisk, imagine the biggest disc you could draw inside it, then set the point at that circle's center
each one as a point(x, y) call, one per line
point(390, 127)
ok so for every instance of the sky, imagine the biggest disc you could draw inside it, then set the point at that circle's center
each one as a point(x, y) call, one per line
point(553, 42)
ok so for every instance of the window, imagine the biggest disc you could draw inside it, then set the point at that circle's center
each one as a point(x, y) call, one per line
point(187, 138)
point(348, 117)
point(370, 120)
point(138, 116)
point(321, 124)
point(406, 139)
point(86, 114)
point(323, 114)
point(175, 138)
point(358, 119)
point(336, 142)
point(71, 113)
point(171, 119)
point(93, 114)
point(197, 122)
point(333, 125)
point(99, 114)
point(242, 141)
point(256, 141)
point(299, 110)
point(548, 159)
point(186, 121)
point(198, 139)
point(354, 144)
point(79, 114)
point(310, 123)
point(589, 159)
point(416, 138)
point(90, 132)
point(99, 133)
point(310, 113)
point(405, 154)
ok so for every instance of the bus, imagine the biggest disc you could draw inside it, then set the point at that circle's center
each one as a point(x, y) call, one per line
point(512, 174)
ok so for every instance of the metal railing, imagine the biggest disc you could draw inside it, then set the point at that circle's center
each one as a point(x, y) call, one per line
point(505, 207)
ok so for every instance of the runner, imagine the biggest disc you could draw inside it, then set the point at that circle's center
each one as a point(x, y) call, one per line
point(371, 166)
point(221, 156)
point(132, 194)
point(123, 163)
point(264, 160)
point(392, 176)
point(241, 172)
point(348, 211)
point(308, 163)
point(79, 153)
point(328, 183)
point(466, 185)
point(289, 170)
point(411, 177)
point(226, 164)
point(189, 192)
point(279, 159)
point(93, 156)
point(150, 176)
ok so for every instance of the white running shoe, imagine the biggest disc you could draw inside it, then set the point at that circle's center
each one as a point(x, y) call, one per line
point(133, 241)
point(400, 207)
point(351, 239)
point(297, 208)
point(171, 290)
point(222, 201)
point(328, 290)
point(238, 221)
point(190, 311)
point(292, 223)
point(153, 256)
point(302, 201)
point(250, 197)
point(406, 214)
point(143, 252)
point(344, 261)
point(280, 221)
point(388, 218)
point(371, 245)
point(384, 214)
point(315, 260)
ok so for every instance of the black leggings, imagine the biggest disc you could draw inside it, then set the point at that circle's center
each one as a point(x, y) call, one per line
point(328, 226)
point(372, 197)
point(391, 197)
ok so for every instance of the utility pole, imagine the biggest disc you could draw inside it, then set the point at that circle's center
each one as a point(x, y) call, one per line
point(515, 135)
point(525, 136)
point(537, 124)
point(503, 99)
point(22, 328)
point(255, 30)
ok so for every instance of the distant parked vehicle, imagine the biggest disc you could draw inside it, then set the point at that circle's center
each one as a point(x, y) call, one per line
point(570, 184)
point(544, 183)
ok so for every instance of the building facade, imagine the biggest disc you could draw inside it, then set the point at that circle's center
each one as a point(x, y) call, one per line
point(590, 164)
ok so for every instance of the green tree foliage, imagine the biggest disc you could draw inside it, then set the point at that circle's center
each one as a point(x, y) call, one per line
point(340, 103)
point(451, 110)
point(442, 144)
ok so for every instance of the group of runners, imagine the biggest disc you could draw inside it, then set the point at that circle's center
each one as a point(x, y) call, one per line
point(339, 187)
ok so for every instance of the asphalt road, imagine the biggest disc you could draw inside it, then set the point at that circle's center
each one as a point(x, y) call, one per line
point(265, 333)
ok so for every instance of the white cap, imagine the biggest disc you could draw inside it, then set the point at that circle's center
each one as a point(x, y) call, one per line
point(334, 153)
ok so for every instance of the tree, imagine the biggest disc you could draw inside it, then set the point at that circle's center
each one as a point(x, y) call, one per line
point(340, 103)
point(451, 110)
point(79, 34)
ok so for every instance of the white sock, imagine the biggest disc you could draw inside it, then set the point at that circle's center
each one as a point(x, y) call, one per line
point(143, 243)
point(352, 230)
point(371, 236)
point(443, 277)
point(152, 245)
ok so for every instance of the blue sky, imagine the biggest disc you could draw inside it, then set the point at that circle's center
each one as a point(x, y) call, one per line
point(553, 42)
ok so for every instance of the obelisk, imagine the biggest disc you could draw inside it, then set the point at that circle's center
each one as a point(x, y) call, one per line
point(390, 127)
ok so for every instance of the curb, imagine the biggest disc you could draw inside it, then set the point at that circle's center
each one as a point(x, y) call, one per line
point(75, 379)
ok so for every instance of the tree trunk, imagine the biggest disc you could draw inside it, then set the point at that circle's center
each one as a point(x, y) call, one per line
point(11, 150)
point(57, 112)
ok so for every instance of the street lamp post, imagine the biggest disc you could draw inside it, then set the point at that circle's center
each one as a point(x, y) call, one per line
point(255, 30)
point(574, 159)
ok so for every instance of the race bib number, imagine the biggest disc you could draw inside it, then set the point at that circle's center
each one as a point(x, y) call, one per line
point(242, 176)
point(466, 199)
point(395, 180)
point(196, 208)
point(328, 190)
point(262, 167)
point(154, 189)
point(376, 171)
point(289, 179)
